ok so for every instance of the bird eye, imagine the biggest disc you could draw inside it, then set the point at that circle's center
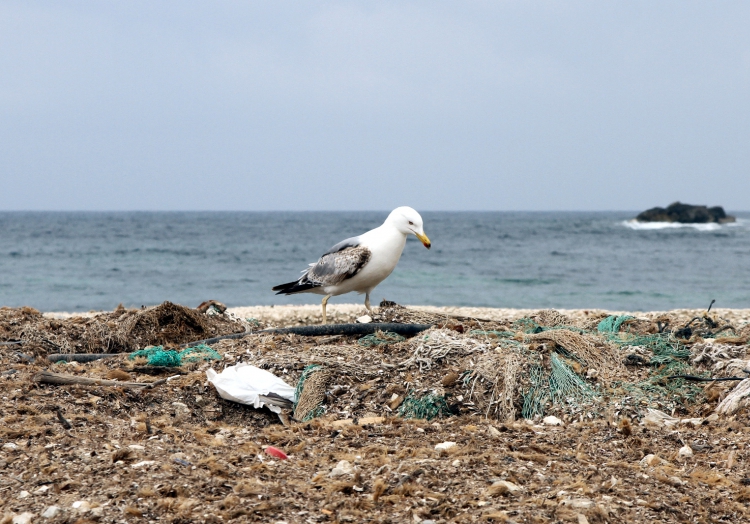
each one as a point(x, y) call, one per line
point(411, 223)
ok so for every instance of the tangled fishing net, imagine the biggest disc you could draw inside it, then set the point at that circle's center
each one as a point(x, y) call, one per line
point(550, 364)
point(160, 357)
point(310, 392)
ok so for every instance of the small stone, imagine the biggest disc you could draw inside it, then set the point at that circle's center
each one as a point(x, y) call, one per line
point(81, 505)
point(685, 452)
point(503, 487)
point(24, 494)
point(51, 512)
point(444, 446)
point(493, 431)
point(364, 319)
point(579, 503)
point(23, 518)
point(552, 421)
point(137, 447)
point(344, 467)
point(41, 490)
point(456, 463)
point(10, 446)
point(651, 460)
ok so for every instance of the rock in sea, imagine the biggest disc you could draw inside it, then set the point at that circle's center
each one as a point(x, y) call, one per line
point(686, 214)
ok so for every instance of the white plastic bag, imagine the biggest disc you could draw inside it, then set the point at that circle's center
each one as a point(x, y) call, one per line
point(250, 385)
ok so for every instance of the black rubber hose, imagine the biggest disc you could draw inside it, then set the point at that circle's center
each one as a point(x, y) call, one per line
point(80, 357)
point(406, 330)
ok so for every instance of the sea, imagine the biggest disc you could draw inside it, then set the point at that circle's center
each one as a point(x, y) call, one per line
point(83, 261)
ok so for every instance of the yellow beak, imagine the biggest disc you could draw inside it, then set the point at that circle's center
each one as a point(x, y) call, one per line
point(423, 238)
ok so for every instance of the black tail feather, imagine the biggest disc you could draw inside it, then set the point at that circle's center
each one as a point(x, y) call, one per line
point(292, 287)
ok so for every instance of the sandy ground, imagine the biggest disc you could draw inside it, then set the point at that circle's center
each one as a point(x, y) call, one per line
point(179, 453)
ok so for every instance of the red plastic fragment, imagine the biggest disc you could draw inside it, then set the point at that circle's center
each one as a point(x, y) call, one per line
point(276, 452)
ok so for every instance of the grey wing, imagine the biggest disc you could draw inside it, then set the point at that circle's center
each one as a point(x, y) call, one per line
point(349, 242)
point(335, 267)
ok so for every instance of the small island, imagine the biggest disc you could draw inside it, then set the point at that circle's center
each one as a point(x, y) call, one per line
point(686, 214)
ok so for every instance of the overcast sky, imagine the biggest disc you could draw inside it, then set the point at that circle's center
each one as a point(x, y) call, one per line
point(515, 105)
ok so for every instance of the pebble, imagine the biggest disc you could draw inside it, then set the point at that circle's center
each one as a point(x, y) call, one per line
point(456, 463)
point(552, 421)
point(81, 505)
point(443, 446)
point(685, 452)
point(344, 467)
point(365, 319)
point(137, 447)
point(504, 486)
point(10, 446)
point(24, 494)
point(652, 460)
point(579, 503)
point(51, 512)
point(23, 518)
point(493, 431)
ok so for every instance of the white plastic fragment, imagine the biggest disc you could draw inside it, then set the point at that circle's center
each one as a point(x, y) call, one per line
point(24, 494)
point(344, 467)
point(552, 421)
point(685, 452)
point(81, 505)
point(143, 463)
point(10, 446)
point(51, 512)
point(443, 446)
point(364, 319)
point(658, 419)
point(23, 518)
point(245, 384)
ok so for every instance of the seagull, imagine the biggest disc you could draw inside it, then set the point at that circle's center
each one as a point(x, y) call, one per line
point(359, 263)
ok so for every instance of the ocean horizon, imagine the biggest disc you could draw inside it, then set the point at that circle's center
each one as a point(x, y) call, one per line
point(92, 260)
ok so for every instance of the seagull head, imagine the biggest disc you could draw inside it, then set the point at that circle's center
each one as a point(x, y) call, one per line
point(408, 221)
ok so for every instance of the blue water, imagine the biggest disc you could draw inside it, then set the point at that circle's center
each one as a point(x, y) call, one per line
point(82, 261)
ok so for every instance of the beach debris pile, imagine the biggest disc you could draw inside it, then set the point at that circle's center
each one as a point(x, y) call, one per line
point(591, 417)
point(122, 330)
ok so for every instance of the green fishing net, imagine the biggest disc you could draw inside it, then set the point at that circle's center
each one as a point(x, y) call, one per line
point(426, 407)
point(380, 338)
point(158, 356)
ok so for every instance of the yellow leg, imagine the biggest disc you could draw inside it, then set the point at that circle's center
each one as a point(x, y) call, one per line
point(367, 302)
point(325, 301)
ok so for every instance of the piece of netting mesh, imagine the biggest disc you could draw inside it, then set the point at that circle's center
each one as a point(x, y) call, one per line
point(425, 407)
point(380, 338)
point(160, 357)
point(535, 396)
point(310, 393)
point(612, 323)
point(565, 385)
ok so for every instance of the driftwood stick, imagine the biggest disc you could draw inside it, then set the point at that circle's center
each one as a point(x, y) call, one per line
point(62, 419)
point(81, 357)
point(47, 377)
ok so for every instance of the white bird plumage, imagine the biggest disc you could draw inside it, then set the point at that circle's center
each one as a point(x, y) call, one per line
point(359, 263)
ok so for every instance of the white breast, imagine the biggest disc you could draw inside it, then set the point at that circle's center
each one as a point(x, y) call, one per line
point(386, 244)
